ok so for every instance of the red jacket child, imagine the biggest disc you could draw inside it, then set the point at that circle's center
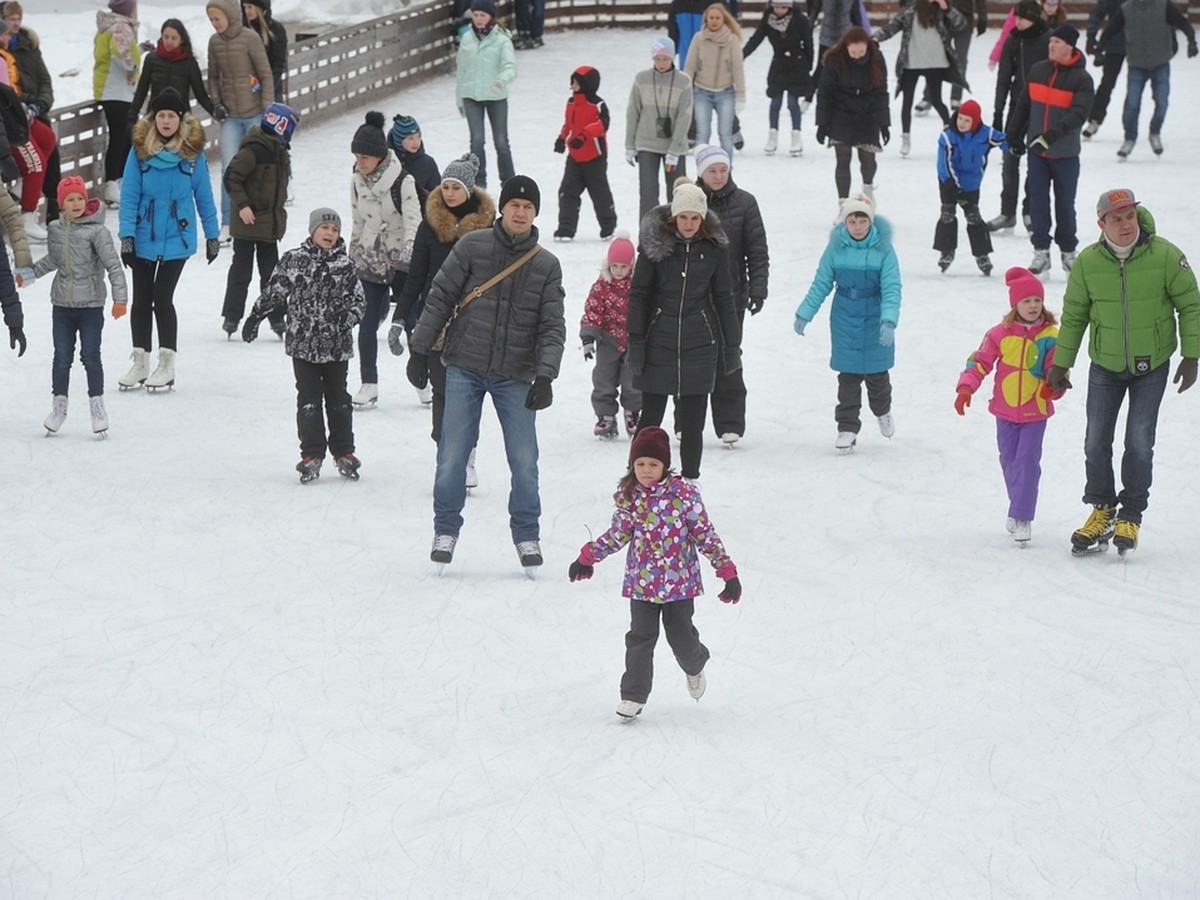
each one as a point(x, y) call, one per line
point(583, 132)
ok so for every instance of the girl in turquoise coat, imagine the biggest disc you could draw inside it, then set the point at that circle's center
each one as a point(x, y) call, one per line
point(164, 187)
point(861, 262)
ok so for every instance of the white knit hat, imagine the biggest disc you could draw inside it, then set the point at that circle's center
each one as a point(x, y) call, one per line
point(859, 203)
point(688, 198)
point(709, 155)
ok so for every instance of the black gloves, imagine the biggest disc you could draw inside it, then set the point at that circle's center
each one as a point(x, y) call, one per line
point(212, 247)
point(885, 134)
point(1185, 375)
point(127, 254)
point(636, 355)
point(16, 335)
point(8, 169)
point(1057, 378)
point(540, 395)
point(577, 141)
point(1192, 50)
point(733, 359)
point(732, 592)
point(821, 134)
point(1015, 147)
point(250, 328)
point(560, 146)
point(220, 113)
point(417, 369)
point(1091, 46)
point(980, 28)
point(756, 305)
point(579, 572)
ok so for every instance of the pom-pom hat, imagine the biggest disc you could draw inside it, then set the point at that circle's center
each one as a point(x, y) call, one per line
point(858, 204)
point(463, 170)
point(621, 251)
point(369, 139)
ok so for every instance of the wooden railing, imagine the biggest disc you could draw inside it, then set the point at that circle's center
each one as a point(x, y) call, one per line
point(346, 67)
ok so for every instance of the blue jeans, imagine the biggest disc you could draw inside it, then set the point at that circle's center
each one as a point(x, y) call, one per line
point(1160, 89)
point(465, 391)
point(88, 323)
point(793, 103)
point(704, 103)
point(1062, 176)
point(232, 132)
point(1106, 391)
point(497, 113)
point(379, 296)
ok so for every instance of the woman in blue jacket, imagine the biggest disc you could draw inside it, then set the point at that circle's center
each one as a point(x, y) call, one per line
point(861, 262)
point(165, 183)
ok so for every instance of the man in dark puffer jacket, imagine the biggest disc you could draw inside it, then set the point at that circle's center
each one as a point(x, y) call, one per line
point(507, 343)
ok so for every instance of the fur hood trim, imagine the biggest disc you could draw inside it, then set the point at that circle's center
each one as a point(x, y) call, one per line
point(657, 243)
point(147, 141)
point(448, 227)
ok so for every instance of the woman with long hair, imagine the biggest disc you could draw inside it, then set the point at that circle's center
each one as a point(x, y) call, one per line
point(172, 63)
point(256, 14)
point(714, 63)
point(852, 107)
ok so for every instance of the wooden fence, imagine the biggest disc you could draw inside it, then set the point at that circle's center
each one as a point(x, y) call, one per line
point(345, 67)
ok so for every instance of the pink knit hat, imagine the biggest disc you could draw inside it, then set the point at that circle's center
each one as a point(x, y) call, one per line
point(1023, 284)
point(621, 251)
point(72, 184)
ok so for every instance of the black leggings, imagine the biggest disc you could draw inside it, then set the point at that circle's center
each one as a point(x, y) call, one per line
point(154, 301)
point(933, 93)
point(841, 175)
point(691, 411)
point(116, 117)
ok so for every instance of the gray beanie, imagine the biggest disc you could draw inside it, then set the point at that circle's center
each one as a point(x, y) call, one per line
point(320, 216)
point(463, 170)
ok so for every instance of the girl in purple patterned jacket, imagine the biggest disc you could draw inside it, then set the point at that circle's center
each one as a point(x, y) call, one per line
point(661, 517)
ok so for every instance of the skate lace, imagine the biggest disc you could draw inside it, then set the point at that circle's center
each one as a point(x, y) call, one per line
point(529, 548)
point(444, 543)
point(1098, 522)
point(1127, 531)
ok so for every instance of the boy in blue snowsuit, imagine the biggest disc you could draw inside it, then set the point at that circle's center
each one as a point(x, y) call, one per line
point(962, 157)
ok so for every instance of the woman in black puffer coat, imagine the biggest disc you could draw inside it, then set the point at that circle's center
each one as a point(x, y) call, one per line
point(852, 107)
point(171, 64)
point(790, 34)
point(681, 311)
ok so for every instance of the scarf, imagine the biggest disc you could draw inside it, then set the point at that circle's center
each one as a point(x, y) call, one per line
point(780, 23)
point(170, 55)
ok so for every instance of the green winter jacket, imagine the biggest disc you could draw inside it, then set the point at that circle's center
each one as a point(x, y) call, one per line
point(1131, 307)
point(257, 177)
point(485, 67)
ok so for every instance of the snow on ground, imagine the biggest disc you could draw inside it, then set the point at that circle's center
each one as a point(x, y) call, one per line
point(217, 683)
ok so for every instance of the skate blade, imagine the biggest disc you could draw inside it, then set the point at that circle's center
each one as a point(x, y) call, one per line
point(439, 569)
point(844, 451)
point(1099, 547)
point(370, 404)
point(531, 572)
point(155, 388)
point(129, 387)
point(101, 435)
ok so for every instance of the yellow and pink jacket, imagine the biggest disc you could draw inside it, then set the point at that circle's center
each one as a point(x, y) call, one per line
point(1021, 353)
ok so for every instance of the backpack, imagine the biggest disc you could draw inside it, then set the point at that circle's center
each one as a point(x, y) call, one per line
point(12, 116)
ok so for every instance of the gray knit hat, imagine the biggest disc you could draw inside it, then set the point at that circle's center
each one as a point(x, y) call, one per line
point(463, 170)
point(369, 139)
point(321, 216)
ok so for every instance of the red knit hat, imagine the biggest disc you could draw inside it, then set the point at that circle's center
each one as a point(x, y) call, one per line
point(72, 184)
point(1023, 284)
point(653, 442)
point(971, 108)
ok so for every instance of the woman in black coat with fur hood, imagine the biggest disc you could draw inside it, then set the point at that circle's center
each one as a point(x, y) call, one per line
point(681, 311)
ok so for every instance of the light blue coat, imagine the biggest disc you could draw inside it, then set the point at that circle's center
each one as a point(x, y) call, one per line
point(484, 65)
point(867, 278)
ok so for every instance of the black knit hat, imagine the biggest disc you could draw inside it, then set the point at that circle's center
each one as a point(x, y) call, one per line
point(369, 140)
point(168, 98)
point(1029, 9)
point(520, 187)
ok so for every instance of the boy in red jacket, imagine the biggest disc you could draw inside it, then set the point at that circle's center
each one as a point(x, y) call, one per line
point(583, 139)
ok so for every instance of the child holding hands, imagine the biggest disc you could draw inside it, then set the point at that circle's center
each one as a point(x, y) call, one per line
point(1021, 350)
point(318, 286)
point(80, 250)
point(661, 517)
point(962, 158)
point(604, 331)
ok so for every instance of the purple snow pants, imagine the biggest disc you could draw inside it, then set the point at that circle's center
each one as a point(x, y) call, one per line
point(1020, 448)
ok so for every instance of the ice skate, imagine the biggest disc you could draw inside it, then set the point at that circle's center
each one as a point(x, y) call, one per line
point(946, 260)
point(1156, 144)
point(905, 144)
point(280, 329)
point(729, 438)
point(33, 230)
point(1125, 538)
point(845, 442)
point(1010, 524)
point(112, 194)
point(309, 468)
point(887, 425)
point(628, 709)
point(696, 685)
point(224, 236)
point(425, 395)
point(797, 148)
point(99, 416)
point(530, 554)
point(368, 395)
point(443, 548)
point(1090, 129)
point(164, 373)
point(922, 108)
point(230, 327)
point(1040, 262)
point(985, 264)
point(631, 422)
point(1068, 260)
point(560, 235)
point(348, 465)
point(1002, 223)
point(138, 372)
point(58, 415)
point(1096, 532)
point(1022, 531)
point(1125, 149)
point(472, 475)
point(605, 427)
point(772, 142)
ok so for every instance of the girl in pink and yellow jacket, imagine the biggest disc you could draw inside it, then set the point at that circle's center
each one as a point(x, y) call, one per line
point(661, 517)
point(1021, 350)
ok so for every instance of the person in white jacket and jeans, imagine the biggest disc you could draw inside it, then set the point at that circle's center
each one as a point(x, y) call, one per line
point(386, 212)
point(487, 65)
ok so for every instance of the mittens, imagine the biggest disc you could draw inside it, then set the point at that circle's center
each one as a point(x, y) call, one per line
point(396, 339)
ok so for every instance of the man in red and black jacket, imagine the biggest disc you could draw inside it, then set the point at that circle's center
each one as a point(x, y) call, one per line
point(1047, 120)
point(584, 139)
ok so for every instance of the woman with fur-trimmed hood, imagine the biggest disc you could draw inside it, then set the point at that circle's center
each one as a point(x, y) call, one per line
point(681, 310)
point(455, 207)
point(164, 186)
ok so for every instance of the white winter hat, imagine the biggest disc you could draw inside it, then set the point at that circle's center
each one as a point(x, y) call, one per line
point(859, 203)
point(688, 198)
point(709, 155)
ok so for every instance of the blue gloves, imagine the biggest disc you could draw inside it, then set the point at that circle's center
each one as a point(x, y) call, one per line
point(887, 334)
point(799, 325)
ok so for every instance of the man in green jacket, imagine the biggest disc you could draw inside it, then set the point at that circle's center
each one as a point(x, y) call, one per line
point(1127, 289)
